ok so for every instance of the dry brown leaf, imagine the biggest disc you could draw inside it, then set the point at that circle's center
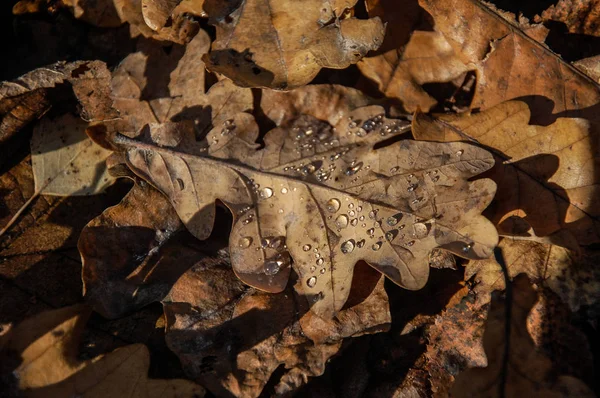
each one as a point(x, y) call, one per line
point(409, 57)
point(151, 86)
point(590, 66)
point(546, 174)
point(505, 57)
point(66, 162)
point(44, 349)
point(282, 44)
point(581, 16)
point(328, 102)
point(325, 192)
point(515, 367)
point(400, 73)
point(100, 13)
point(571, 275)
point(232, 339)
point(128, 261)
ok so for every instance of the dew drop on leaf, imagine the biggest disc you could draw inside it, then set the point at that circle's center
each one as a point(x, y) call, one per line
point(312, 281)
point(306, 248)
point(353, 169)
point(323, 270)
point(372, 214)
point(320, 261)
point(360, 243)
point(266, 193)
point(354, 222)
point(376, 246)
point(245, 242)
point(284, 190)
point(351, 213)
point(459, 152)
point(466, 248)
point(394, 169)
point(389, 236)
point(341, 221)
point(371, 231)
point(348, 246)
point(333, 205)
point(393, 220)
point(312, 268)
point(411, 187)
point(420, 230)
point(412, 242)
point(273, 266)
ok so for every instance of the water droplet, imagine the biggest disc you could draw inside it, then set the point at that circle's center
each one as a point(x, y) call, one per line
point(245, 241)
point(306, 247)
point(247, 220)
point(180, 184)
point(466, 248)
point(333, 205)
point(348, 246)
point(460, 152)
point(341, 221)
point(351, 205)
point(351, 213)
point(353, 169)
point(372, 214)
point(313, 268)
point(435, 179)
point(376, 246)
point(284, 190)
point(266, 193)
point(264, 242)
point(411, 187)
point(323, 270)
point(389, 236)
point(361, 218)
point(412, 242)
point(273, 266)
point(280, 211)
point(394, 169)
point(401, 226)
point(354, 222)
point(277, 242)
point(320, 261)
point(360, 243)
point(393, 220)
point(312, 281)
point(420, 230)
point(371, 231)
point(309, 169)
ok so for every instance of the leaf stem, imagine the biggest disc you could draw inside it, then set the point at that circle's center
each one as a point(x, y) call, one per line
point(19, 212)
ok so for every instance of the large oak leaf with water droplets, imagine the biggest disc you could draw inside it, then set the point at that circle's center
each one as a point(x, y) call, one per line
point(284, 44)
point(326, 197)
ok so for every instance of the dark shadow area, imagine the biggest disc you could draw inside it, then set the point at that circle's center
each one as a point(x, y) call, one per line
point(528, 8)
point(571, 46)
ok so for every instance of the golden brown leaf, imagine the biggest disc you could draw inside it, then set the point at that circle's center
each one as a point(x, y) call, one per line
point(282, 44)
point(515, 367)
point(233, 340)
point(47, 365)
point(324, 197)
point(546, 174)
point(408, 58)
point(505, 57)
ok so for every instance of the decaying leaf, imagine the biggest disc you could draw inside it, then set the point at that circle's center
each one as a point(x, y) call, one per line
point(44, 349)
point(590, 66)
point(515, 367)
point(546, 174)
point(505, 57)
point(282, 44)
point(233, 339)
point(326, 198)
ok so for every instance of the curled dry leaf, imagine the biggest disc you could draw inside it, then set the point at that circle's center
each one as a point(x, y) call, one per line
point(282, 44)
point(44, 349)
point(326, 198)
point(504, 58)
point(234, 340)
point(546, 174)
point(515, 367)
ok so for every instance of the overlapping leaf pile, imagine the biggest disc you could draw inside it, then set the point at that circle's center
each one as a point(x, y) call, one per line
point(270, 224)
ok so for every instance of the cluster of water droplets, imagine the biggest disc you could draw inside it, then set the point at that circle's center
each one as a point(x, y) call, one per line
point(317, 268)
point(228, 127)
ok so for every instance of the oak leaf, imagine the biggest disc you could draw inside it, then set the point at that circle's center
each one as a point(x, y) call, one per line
point(44, 351)
point(234, 340)
point(504, 57)
point(326, 198)
point(515, 367)
point(579, 16)
point(545, 174)
point(282, 45)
